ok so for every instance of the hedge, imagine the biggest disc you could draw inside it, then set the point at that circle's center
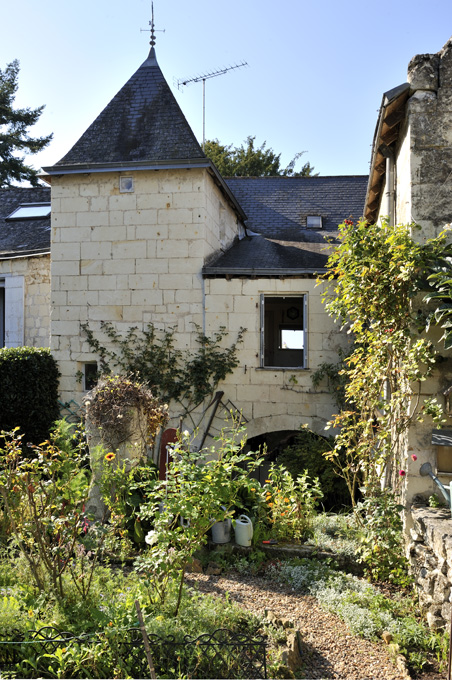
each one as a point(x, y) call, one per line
point(28, 391)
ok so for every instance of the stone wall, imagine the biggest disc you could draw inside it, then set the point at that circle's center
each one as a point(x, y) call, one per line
point(27, 295)
point(274, 399)
point(137, 258)
point(423, 190)
point(430, 554)
point(131, 258)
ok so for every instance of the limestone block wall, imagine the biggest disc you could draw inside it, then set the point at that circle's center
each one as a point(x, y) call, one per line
point(130, 258)
point(222, 223)
point(274, 399)
point(27, 295)
point(430, 554)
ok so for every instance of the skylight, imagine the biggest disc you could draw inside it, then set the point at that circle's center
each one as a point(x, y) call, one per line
point(314, 222)
point(30, 211)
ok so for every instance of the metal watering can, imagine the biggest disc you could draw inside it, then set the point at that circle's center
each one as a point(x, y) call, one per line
point(426, 470)
point(221, 531)
point(243, 528)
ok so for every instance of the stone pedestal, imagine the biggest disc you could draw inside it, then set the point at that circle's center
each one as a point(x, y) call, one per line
point(129, 446)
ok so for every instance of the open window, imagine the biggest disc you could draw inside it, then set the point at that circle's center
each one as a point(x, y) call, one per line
point(90, 375)
point(283, 331)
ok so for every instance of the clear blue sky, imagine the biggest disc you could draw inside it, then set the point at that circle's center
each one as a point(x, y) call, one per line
point(317, 70)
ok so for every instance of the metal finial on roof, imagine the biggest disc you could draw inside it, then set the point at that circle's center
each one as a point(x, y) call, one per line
point(151, 24)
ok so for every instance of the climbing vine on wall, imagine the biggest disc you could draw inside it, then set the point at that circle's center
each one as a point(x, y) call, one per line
point(373, 278)
point(185, 377)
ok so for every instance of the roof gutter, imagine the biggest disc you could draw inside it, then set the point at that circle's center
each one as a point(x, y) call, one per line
point(26, 253)
point(277, 271)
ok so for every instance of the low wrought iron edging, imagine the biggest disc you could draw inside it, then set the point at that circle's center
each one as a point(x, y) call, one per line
point(223, 649)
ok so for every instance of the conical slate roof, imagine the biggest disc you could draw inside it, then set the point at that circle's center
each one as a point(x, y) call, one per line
point(143, 125)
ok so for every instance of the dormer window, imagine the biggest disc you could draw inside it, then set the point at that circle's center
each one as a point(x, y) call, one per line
point(314, 222)
point(30, 211)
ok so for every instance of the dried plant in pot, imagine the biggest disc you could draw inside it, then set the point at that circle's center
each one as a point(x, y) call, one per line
point(122, 417)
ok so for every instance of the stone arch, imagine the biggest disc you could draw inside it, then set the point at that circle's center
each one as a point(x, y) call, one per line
point(283, 423)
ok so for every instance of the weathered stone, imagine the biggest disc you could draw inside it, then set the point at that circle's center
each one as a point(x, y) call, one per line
point(291, 654)
point(274, 619)
point(415, 536)
point(441, 590)
point(194, 566)
point(423, 72)
point(387, 637)
point(446, 611)
point(401, 665)
point(435, 621)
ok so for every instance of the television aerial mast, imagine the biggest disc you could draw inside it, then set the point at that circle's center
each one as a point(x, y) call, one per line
point(206, 76)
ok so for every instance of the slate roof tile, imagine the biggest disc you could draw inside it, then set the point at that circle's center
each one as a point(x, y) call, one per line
point(277, 208)
point(143, 122)
point(23, 237)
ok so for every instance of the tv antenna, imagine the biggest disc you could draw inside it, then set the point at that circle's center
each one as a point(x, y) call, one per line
point(206, 76)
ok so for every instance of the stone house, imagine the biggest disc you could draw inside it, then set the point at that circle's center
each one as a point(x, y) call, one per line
point(144, 229)
point(411, 182)
point(24, 267)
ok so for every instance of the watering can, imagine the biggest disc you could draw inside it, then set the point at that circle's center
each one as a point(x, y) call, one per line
point(243, 530)
point(221, 531)
point(426, 469)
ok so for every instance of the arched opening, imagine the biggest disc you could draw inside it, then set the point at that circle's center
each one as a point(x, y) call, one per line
point(300, 450)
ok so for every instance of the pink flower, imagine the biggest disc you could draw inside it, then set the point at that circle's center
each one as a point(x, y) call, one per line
point(402, 473)
point(413, 456)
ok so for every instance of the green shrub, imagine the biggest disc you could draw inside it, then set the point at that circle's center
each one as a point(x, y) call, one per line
point(29, 384)
point(307, 455)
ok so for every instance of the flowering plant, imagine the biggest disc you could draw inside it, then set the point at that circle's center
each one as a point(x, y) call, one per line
point(200, 489)
point(290, 503)
point(44, 496)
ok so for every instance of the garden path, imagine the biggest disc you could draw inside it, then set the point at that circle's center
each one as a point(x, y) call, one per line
point(331, 652)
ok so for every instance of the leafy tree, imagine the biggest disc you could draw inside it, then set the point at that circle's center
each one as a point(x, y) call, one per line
point(14, 137)
point(251, 161)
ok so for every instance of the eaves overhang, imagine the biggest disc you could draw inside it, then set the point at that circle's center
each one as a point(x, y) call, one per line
point(126, 166)
point(390, 118)
point(18, 255)
point(277, 272)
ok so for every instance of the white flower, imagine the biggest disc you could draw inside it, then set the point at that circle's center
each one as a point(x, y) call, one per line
point(151, 537)
point(186, 433)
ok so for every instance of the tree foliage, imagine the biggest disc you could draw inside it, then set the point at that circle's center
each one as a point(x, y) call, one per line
point(441, 295)
point(249, 160)
point(374, 275)
point(14, 137)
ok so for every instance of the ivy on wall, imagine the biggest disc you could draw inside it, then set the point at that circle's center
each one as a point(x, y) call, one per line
point(373, 277)
point(184, 377)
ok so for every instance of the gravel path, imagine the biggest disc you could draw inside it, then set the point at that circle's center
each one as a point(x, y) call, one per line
point(331, 652)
